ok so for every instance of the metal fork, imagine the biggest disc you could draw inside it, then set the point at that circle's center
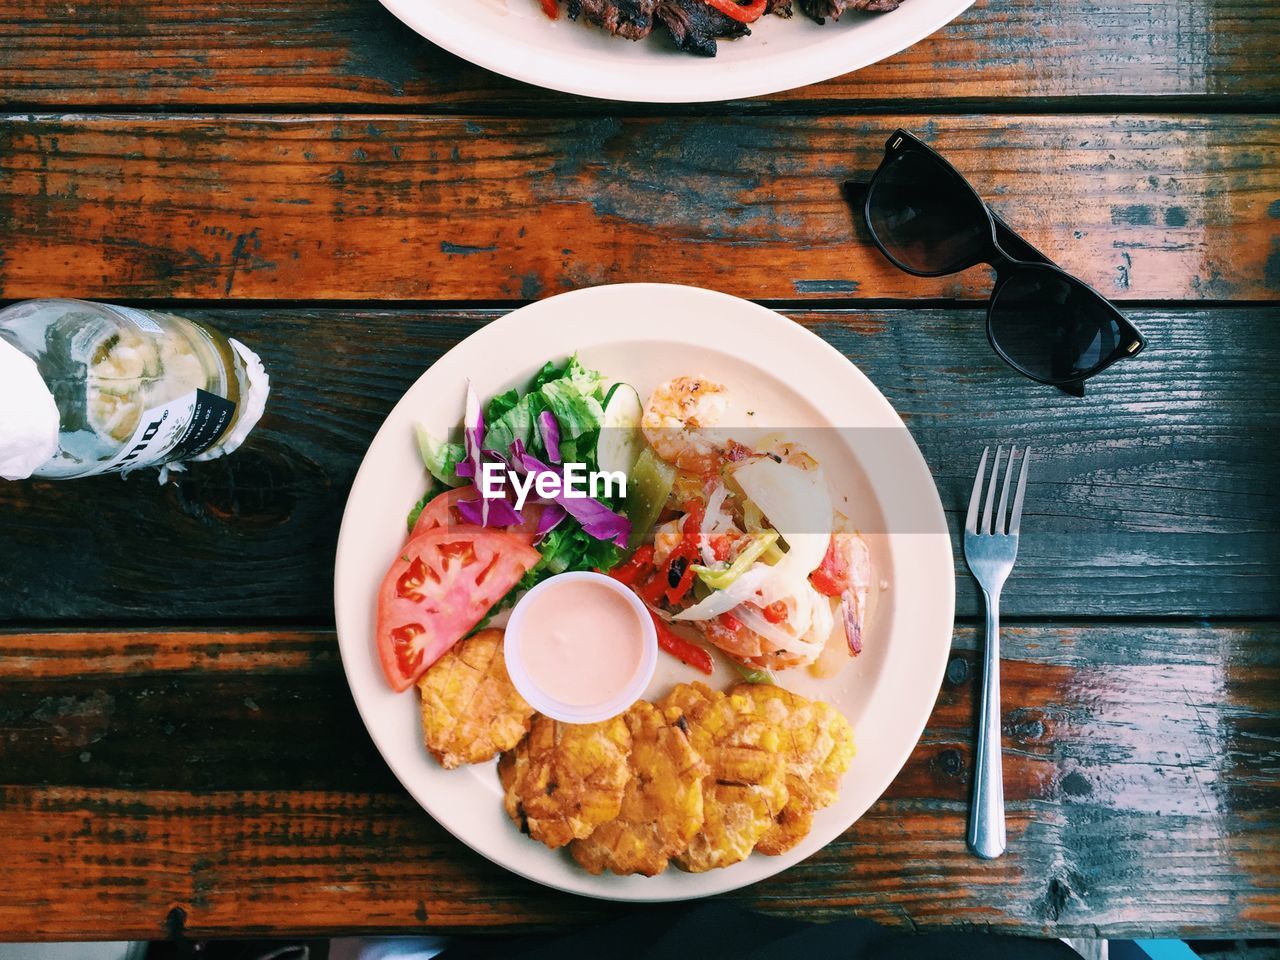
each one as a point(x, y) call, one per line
point(990, 550)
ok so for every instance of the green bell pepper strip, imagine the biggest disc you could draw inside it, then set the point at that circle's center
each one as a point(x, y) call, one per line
point(755, 675)
point(719, 579)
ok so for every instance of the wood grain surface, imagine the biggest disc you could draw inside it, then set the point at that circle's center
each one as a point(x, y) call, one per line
point(179, 753)
point(142, 53)
point(1152, 496)
point(395, 208)
point(226, 774)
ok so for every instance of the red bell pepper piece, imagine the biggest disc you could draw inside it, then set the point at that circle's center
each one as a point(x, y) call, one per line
point(680, 648)
point(639, 562)
point(742, 12)
point(691, 533)
point(775, 612)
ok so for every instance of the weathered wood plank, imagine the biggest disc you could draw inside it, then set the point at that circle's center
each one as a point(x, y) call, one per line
point(1151, 496)
point(53, 655)
point(481, 209)
point(144, 53)
point(1141, 773)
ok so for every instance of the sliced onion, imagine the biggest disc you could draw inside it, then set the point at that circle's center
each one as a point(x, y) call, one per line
point(780, 638)
point(835, 652)
point(803, 600)
point(473, 442)
point(783, 585)
point(805, 553)
point(722, 601)
point(711, 520)
point(797, 505)
point(821, 621)
point(715, 503)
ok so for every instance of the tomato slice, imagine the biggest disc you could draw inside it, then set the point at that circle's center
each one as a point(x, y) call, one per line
point(442, 512)
point(441, 585)
point(439, 512)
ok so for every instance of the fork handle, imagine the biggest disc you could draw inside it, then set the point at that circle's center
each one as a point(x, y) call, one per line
point(986, 814)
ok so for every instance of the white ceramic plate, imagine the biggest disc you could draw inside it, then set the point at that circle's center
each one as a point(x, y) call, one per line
point(790, 379)
point(516, 39)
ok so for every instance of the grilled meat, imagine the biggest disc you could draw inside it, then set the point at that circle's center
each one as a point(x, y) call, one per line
point(632, 19)
point(819, 10)
point(695, 25)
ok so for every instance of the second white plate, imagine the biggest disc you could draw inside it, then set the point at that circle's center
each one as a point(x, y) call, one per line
point(516, 39)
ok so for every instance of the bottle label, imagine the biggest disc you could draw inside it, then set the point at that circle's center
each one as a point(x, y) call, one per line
point(177, 430)
point(139, 318)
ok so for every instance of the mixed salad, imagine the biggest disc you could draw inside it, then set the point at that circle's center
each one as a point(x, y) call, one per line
point(736, 543)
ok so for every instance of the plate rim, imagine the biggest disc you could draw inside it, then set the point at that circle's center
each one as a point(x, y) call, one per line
point(722, 85)
point(932, 683)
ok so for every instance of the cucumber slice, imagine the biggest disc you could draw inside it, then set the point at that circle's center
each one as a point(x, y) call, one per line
point(620, 440)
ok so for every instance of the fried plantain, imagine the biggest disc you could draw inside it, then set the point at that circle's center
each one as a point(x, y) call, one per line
point(745, 786)
point(471, 712)
point(563, 780)
point(685, 697)
point(817, 744)
point(662, 807)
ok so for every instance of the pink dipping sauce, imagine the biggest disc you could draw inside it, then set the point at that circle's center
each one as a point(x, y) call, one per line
point(581, 643)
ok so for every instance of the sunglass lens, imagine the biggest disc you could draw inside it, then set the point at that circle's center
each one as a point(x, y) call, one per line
point(1052, 327)
point(925, 215)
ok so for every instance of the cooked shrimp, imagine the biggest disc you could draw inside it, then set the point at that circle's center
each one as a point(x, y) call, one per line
point(677, 419)
point(745, 645)
point(789, 632)
point(665, 539)
point(846, 573)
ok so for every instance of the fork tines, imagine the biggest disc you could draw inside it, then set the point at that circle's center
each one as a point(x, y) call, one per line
point(1014, 518)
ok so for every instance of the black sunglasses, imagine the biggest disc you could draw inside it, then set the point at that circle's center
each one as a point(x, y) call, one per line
point(1046, 324)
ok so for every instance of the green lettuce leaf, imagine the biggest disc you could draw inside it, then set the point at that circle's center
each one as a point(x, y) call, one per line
point(550, 371)
point(416, 511)
point(576, 412)
point(569, 547)
point(500, 405)
point(520, 422)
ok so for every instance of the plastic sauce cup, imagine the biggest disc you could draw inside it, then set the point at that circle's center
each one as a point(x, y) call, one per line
point(576, 634)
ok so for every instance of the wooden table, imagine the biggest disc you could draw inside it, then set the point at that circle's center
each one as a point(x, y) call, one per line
point(178, 750)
